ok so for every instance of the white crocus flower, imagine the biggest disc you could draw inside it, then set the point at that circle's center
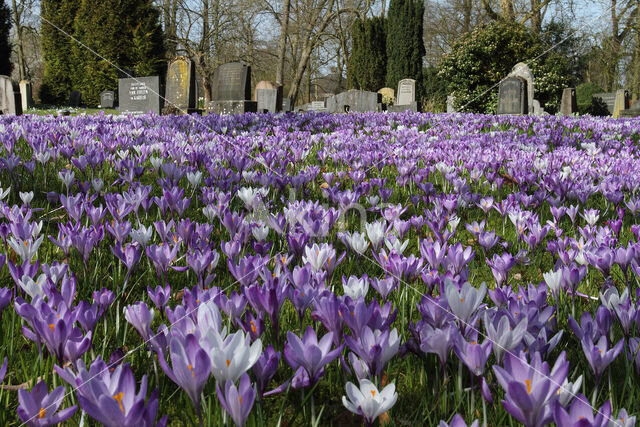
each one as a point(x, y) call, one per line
point(553, 280)
point(33, 287)
point(568, 390)
point(142, 235)
point(260, 232)
point(234, 357)
point(248, 196)
point(356, 288)
point(376, 232)
point(316, 256)
point(156, 163)
point(368, 401)
point(26, 197)
point(357, 241)
point(394, 244)
point(97, 184)
point(4, 192)
point(26, 249)
point(194, 178)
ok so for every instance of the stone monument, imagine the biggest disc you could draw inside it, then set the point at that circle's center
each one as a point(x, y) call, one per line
point(406, 97)
point(107, 99)
point(26, 94)
point(180, 91)
point(286, 105)
point(608, 98)
point(10, 102)
point(75, 99)
point(354, 100)
point(621, 103)
point(512, 96)
point(451, 103)
point(268, 95)
point(139, 95)
point(569, 103)
point(231, 90)
point(522, 70)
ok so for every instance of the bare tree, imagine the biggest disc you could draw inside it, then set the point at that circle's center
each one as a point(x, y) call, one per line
point(21, 17)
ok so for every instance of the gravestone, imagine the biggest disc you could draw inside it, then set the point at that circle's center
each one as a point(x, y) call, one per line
point(406, 98)
point(451, 106)
point(10, 102)
point(180, 92)
point(537, 109)
point(268, 95)
point(139, 95)
point(317, 106)
point(634, 111)
point(75, 99)
point(354, 100)
point(621, 103)
point(609, 99)
point(26, 94)
point(107, 99)
point(286, 105)
point(569, 103)
point(512, 96)
point(522, 70)
point(231, 90)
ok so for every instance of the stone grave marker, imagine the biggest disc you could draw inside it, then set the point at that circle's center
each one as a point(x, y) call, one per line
point(26, 94)
point(621, 102)
point(317, 106)
point(406, 98)
point(512, 96)
point(180, 92)
point(139, 95)
point(231, 90)
point(286, 105)
point(75, 99)
point(107, 99)
point(522, 70)
point(268, 95)
point(388, 95)
point(10, 102)
point(609, 98)
point(569, 102)
point(537, 109)
point(451, 106)
point(633, 111)
point(354, 100)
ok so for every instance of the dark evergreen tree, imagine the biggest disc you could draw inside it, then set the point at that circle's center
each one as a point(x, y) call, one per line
point(367, 65)
point(405, 47)
point(5, 46)
point(122, 33)
point(56, 46)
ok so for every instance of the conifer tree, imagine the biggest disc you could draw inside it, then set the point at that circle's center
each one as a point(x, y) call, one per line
point(405, 47)
point(56, 46)
point(366, 69)
point(5, 46)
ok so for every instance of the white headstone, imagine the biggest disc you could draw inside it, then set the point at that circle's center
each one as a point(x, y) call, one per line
point(406, 92)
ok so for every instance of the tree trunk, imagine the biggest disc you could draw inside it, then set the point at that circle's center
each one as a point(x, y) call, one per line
point(205, 48)
point(300, 69)
point(536, 16)
point(19, 46)
point(283, 41)
point(467, 10)
point(507, 12)
point(636, 58)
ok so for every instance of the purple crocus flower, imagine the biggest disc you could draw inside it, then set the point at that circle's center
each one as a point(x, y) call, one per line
point(500, 267)
point(3, 369)
point(140, 317)
point(191, 366)
point(265, 368)
point(108, 394)
point(599, 355)
point(38, 408)
point(531, 387)
point(160, 295)
point(5, 299)
point(374, 347)
point(472, 353)
point(580, 414)
point(458, 421)
point(309, 353)
point(162, 257)
point(237, 401)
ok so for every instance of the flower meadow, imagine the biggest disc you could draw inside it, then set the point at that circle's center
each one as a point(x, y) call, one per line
point(315, 269)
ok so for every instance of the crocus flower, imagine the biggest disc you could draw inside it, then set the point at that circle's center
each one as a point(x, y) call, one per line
point(140, 317)
point(473, 354)
point(375, 347)
point(354, 287)
point(237, 401)
point(309, 353)
point(191, 366)
point(599, 355)
point(265, 368)
point(531, 388)
point(3, 369)
point(160, 295)
point(581, 414)
point(235, 356)
point(368, 401)
point(465, 301)
point(40, 409)
point(458, 421)
point(504, 337)
point(500, 266)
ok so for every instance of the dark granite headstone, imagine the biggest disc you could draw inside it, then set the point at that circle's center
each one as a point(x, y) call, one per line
point(107, 99)
point(609, 98)
point(286, 104)
point(139, 95)
point(231, 82)
point(513, 96)
point(75, 99)
point(354, 100)
point(181, 84)
point(569, 103)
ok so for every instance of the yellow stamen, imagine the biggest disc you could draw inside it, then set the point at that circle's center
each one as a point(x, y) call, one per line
point(193, 375)
point(373, 393)
point(118, 397)
point(253, 327)
point(228, 363)
point(51, 326)
point(528, 383)
point(42, 413)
